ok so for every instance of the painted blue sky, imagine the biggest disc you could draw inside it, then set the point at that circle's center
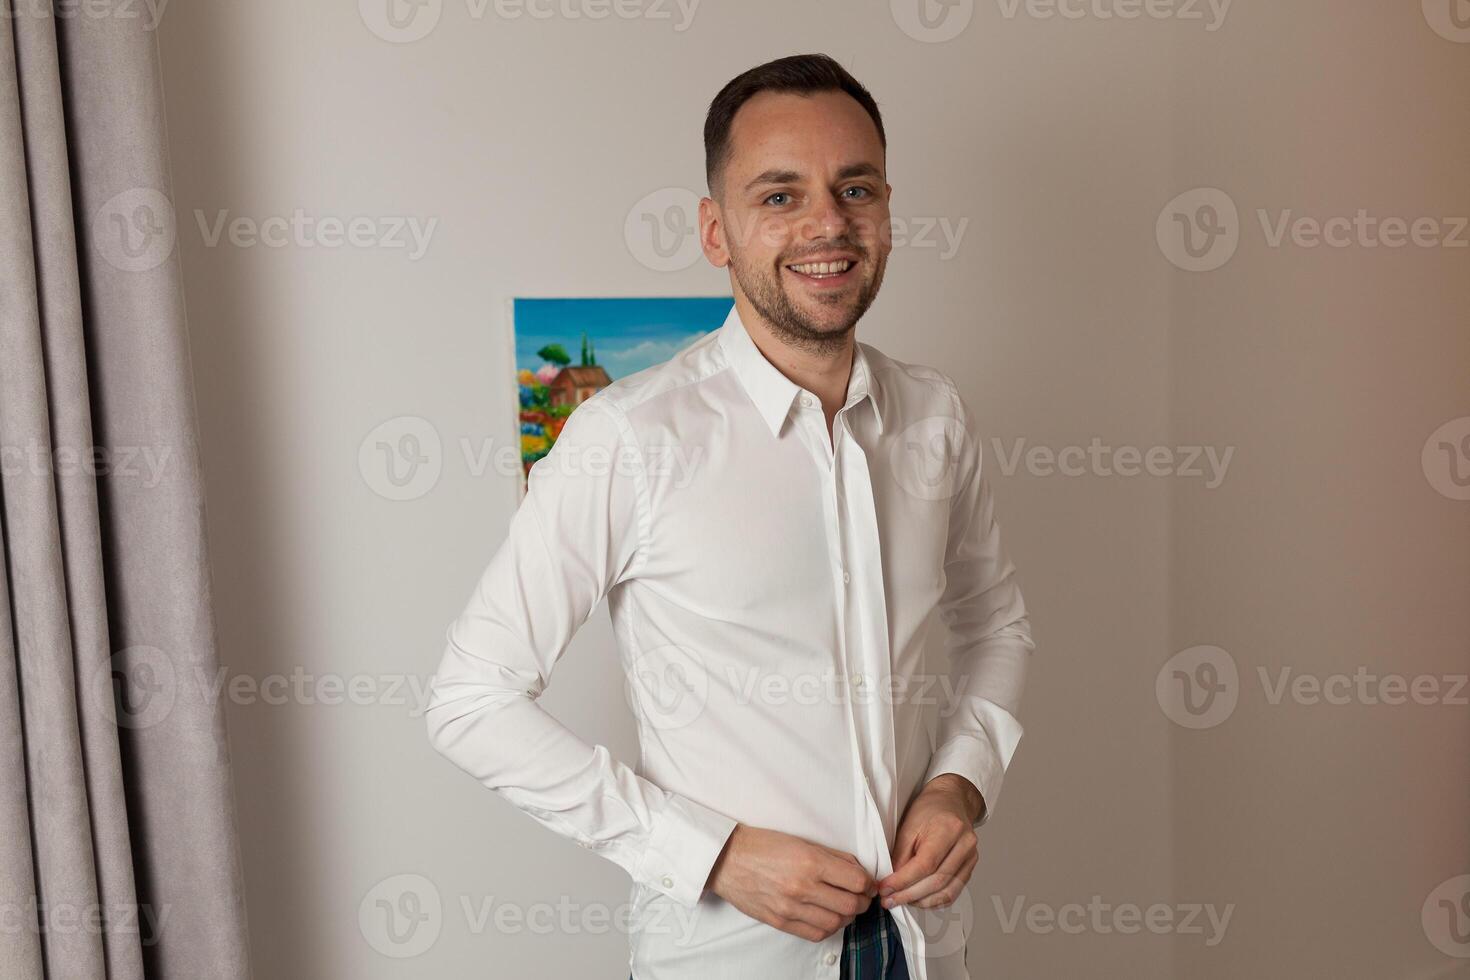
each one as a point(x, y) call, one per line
point(627, 335)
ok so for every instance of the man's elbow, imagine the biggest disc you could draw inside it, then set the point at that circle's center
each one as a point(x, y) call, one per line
point(438, 723)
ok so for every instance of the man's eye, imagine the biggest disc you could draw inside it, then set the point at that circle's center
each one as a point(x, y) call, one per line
point(777, 194)
point(861, 190)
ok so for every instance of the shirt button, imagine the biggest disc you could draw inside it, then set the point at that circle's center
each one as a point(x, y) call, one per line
point(667, 882)
point(808, 401)
point(846, 578)
point(831, 958)
point(859, 680)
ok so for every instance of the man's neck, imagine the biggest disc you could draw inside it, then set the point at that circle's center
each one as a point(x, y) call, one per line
point(825, 373)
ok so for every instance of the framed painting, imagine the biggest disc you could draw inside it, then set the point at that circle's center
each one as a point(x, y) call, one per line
point(565, 350)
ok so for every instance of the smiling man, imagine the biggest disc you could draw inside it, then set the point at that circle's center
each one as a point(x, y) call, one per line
point(826, 642)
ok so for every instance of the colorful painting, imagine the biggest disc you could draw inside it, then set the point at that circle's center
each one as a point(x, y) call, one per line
point(567, 349)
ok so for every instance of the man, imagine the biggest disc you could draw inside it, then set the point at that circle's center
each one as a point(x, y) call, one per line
point(825, 641)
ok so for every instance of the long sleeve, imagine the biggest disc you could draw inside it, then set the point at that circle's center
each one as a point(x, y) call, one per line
point(578, 532)
point(990, 642)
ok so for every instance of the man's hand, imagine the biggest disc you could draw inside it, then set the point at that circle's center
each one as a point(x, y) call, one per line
point(936, 848)
point(799, 887)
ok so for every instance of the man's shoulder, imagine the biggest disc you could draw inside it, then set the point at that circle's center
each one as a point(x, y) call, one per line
point(693, 363)
point(912, 386)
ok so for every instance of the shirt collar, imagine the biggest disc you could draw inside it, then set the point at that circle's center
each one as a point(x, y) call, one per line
point(773, 392)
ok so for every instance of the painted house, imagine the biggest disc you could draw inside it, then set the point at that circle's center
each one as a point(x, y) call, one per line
point(574, 384)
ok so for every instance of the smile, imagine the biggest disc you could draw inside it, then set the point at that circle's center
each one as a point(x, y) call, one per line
point(826, 273)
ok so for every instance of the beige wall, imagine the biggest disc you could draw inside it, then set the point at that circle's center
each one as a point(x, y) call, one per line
point(1053, 143)
point(1329, 551)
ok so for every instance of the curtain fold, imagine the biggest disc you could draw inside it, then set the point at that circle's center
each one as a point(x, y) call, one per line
point(118, 853)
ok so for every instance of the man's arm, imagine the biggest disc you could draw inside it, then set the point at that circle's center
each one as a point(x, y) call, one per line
point(577, 533)
point(990, 641)
point(988, 650)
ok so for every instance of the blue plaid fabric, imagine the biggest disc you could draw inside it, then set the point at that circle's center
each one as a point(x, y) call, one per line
point(871, 948)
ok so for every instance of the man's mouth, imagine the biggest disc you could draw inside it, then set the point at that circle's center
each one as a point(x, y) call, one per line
point(825, 273)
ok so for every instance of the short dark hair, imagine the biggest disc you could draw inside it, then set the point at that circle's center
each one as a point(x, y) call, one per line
point(800, 73)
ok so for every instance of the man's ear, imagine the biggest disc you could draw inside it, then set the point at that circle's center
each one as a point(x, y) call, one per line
point(712, 233)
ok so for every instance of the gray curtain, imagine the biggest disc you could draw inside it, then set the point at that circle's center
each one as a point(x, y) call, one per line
point(118, 855)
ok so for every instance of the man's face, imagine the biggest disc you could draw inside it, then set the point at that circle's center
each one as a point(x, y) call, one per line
point(805, 182)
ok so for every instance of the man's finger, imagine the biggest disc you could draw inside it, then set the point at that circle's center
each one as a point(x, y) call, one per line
point(947, 894)
point(926, 859)
point(844, 871)
point(961, 850)
point(839, 900)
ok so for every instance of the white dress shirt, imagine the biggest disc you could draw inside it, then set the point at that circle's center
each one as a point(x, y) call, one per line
point(812, 627)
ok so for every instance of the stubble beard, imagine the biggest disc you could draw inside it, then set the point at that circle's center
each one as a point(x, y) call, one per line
point(768, 294)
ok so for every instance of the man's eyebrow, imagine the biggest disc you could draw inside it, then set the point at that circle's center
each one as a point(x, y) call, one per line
point(775, 177)
point(778, 176)
point(859, 170)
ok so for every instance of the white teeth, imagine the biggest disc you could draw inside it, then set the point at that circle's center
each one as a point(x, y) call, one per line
point(823, 268)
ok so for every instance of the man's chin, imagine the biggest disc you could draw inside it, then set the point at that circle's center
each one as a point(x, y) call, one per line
point(829, 320)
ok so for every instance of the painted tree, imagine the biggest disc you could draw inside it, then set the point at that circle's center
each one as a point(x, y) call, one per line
point(554, 353)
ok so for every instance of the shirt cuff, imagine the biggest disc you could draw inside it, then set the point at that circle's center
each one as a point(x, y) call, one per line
point(686, 841)
point(982, 759)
